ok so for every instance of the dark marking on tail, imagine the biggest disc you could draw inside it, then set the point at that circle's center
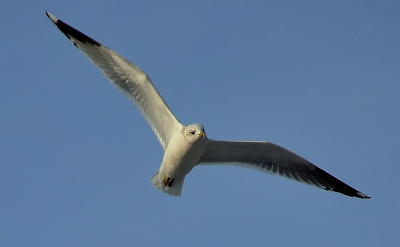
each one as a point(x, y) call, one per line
point(168, 181)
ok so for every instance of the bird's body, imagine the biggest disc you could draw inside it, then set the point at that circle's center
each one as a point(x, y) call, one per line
point(180, 158)
point(186, 146)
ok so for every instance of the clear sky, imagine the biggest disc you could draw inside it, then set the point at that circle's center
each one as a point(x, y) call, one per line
point(321, 78)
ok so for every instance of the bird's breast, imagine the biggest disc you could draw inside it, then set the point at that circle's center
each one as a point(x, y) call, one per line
point(181, 156)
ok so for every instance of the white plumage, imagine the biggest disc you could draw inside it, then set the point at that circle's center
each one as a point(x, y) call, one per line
point(188, 146)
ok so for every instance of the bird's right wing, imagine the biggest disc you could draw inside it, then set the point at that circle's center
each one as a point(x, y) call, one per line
point(127, 78)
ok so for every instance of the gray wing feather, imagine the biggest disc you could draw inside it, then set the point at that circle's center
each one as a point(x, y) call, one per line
point(128, 79)
point(273, 159)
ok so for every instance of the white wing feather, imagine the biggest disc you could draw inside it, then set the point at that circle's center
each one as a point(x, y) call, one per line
point(127, 78)
point(273, 159)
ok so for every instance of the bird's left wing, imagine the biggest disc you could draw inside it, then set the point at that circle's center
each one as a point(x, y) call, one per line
point(127, 78)
point(273, 159)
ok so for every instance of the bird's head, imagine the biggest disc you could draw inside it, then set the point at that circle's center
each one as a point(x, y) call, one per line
point(194, 133)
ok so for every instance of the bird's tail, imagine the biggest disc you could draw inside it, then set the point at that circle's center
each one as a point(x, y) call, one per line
point(174, 190)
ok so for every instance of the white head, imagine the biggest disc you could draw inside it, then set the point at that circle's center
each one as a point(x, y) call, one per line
point(194, 133)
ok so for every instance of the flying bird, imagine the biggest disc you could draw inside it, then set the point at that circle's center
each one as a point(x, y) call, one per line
point(186, 146)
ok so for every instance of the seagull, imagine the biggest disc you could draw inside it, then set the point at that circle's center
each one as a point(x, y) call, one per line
point(186, 146)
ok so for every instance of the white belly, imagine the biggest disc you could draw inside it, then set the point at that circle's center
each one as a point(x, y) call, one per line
point(180, 157)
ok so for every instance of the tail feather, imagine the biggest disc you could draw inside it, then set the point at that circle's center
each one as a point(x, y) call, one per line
point(174, 190)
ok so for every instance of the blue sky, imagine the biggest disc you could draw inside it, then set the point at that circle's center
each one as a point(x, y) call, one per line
point(320, 78)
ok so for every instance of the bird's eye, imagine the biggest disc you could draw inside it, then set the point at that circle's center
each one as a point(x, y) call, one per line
point(192, 132)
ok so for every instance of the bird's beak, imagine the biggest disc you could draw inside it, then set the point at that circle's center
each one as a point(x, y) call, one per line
point(202, 134)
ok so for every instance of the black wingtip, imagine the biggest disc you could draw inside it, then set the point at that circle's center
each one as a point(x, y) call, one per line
point(362, 195)
point(337, 185)
point(52, 17)
point(71, 32)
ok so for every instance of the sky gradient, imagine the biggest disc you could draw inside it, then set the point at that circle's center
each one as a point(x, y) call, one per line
point(321, 78)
